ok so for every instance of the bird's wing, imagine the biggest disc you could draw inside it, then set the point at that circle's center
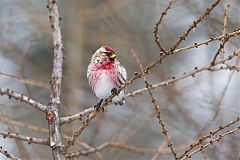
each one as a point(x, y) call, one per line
point(122, 74)
point(90, 76)
point(89, 70)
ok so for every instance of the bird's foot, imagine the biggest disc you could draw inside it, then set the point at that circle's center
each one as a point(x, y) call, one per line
point(98, 106)
point(114, 91)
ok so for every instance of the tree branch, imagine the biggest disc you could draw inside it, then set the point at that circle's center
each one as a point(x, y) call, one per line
point(159, 60)
point(194, 24)
point(225, 27)
point(26, 81)
point(200, 140)
point(22, 98)
point(85, 123)
point(7, 154)
point(56, 81)
point(107, 145)
point(130, 148)
point(37, 129)
point(210, 143)
point(156, 28)
point(192, 73)
point(76, 116)
point(155, 105)
point(24, 138)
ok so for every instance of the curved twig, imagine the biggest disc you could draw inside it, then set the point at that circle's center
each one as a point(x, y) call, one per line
point(156, 28)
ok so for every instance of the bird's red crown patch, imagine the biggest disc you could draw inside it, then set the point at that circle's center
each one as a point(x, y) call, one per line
point(109, 49)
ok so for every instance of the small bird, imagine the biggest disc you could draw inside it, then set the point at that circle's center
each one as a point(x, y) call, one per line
point(105, 74)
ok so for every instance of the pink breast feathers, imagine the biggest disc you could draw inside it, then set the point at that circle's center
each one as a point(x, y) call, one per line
point(100, 71)
point(107, 66)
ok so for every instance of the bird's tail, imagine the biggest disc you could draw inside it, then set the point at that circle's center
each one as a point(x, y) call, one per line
point(122, 102)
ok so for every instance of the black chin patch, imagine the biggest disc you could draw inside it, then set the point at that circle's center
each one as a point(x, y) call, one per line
point(111, 59)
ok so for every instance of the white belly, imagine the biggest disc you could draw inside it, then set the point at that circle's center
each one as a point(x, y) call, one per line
point(104, 87)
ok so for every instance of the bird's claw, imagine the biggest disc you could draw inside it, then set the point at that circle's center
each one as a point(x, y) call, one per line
point(98, 106)
point(114, 91)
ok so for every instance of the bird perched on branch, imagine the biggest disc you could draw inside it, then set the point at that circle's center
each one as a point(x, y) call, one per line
point(105, 74)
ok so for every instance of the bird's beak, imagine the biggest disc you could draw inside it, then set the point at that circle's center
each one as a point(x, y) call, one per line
point(112, 56)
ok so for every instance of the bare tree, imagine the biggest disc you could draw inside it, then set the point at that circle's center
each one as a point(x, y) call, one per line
point(176, 132)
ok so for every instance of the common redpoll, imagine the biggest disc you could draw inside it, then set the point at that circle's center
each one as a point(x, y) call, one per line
point(105, 74)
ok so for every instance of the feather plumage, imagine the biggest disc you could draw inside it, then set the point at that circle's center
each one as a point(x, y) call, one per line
point(105, 73)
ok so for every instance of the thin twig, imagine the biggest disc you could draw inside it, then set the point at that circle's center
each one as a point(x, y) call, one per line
point(171, 81)
point(7, 154)
point(206, 42)
point(189, 74)
point(156, 28)
point(126, 147)
point(225, 27)
point(200, 140)
point(24, 138)
point(221, 98)
point(107, 145)
point(156, 106)
point(77, 133)
point(194, 24)
point(26, 81)
point(181, 39)
point(22, 98)
point(224, 39)
point(235, 68)
point(210, 143)
point(76, 116)
point(217, 53)
point(37, 129)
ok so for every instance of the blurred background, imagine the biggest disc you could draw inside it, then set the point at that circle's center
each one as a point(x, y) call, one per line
point(192, 107)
